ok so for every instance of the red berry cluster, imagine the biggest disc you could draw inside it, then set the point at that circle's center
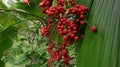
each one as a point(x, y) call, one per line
point(44, 31)
point(72, 2)
point(50, 47)
point(57, 55)
point(78, 9)
point(55, 11)
point(69, 21)
point(68, 27)
point(45, 4)
point(61, 2)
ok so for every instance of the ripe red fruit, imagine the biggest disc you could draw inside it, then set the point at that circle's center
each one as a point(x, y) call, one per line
point(65, 31)
point(76, 38)
point(65, 38)
point(62, 46)
point(64, 51)
point(85, 8)
point(50, 62)
point(74, 31)
point(26, 2)
point(82, 13)
point(63, 43)
point(72, 35)
point(67, 59)
point(44, 31)
point(58, 58)
point(50, 21)
point(81, 16)
point(77, 20)
point(93, 28)
point(82, 22)
point(69, 30)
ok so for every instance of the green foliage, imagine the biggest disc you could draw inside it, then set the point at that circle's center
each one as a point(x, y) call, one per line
point(32, 8)
point(7, 23)
point(32, 54)
point(6, 39)
point(101, 49)
point(2, 4)
point(27, 54)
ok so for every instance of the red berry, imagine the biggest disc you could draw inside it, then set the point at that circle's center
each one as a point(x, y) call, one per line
point(82, 13)
point(65, 31)
point(62, 46)
point(58, 57)
point(85, 8)
point(72, 35)
point(67, 59)
point(63, 43)
point(93, 28)
point(74, 31)
point(82, 22)
point(50, 21)
point(26, 2)
point(81, 16)
point(76, 38)
point(65, 38)
point(64, 51)
point(77, 20)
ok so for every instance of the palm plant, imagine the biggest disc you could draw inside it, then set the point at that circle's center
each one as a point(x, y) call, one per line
point(99, 49)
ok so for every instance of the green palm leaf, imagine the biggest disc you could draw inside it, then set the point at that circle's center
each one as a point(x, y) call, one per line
point(101, 49)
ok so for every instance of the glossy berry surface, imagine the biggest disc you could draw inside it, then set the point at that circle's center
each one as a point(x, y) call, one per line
point(93, 28)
